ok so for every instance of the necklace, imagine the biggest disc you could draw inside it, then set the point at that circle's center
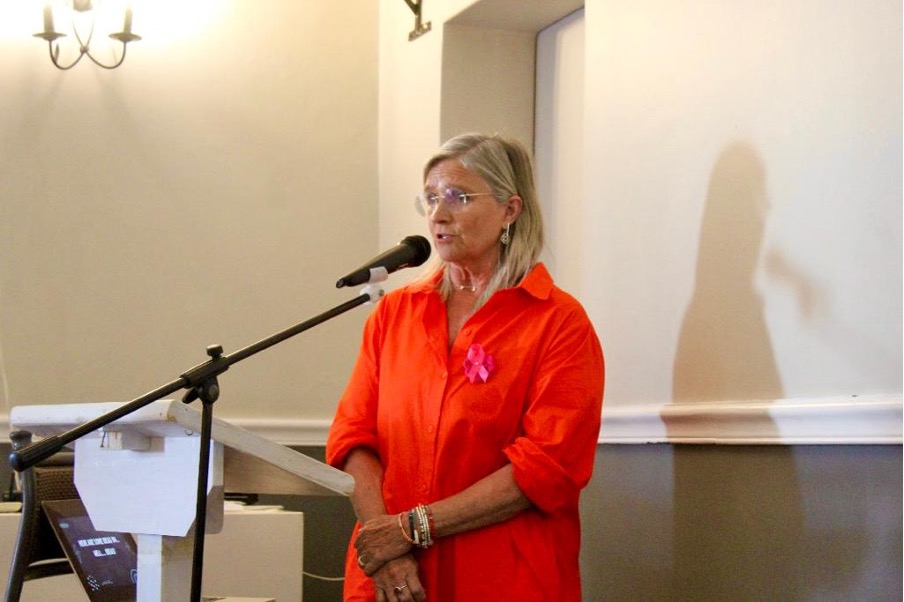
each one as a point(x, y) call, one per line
point(471, 286)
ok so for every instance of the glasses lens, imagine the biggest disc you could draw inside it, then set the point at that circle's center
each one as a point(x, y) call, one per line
point(426, 202)
point(455, 199)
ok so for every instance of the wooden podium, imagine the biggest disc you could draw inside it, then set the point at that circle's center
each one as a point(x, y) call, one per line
point(139, 475)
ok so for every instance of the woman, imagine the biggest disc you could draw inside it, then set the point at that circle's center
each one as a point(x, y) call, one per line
point(471, 417)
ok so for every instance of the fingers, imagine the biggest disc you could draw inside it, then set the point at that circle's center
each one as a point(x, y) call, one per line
point(402, 593)
point(379, 541)
point(398, 581)
point(368, 565)
point(410, 590)
point(362, 562)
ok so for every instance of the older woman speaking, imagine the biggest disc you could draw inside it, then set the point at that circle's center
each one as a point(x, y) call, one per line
point(471, 417)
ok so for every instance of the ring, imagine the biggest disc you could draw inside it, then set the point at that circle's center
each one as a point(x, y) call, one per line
point(398, 589)
point(361, 561)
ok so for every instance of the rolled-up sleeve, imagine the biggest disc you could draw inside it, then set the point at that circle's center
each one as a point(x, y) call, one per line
point(553, 459)
point(355, 422)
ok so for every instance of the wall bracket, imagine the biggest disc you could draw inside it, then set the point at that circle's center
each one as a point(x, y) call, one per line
point(419, 27)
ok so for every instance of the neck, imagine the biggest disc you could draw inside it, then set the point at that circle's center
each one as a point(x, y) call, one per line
point(470, 286)
point(465, 280)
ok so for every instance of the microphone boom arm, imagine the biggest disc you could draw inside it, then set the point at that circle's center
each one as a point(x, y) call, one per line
point(192, 379)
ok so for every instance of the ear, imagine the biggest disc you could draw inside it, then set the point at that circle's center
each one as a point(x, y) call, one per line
point(513, 208)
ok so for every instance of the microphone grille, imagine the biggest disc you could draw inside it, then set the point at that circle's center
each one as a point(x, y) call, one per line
point(421, 248)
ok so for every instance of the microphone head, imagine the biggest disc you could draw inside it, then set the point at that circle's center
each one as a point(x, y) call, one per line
point(410, 252)
point(421, 247)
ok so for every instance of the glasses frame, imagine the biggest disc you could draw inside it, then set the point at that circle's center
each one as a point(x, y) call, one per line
point(425, 208)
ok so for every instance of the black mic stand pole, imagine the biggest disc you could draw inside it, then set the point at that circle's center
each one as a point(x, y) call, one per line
point(201, 382)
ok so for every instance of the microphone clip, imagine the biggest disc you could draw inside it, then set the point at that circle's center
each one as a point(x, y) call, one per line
point(374, 292)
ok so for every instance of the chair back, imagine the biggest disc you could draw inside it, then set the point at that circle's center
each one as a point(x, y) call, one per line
point(37, 551)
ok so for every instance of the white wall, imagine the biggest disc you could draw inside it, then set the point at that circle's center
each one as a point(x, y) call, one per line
point(559, 148)
point(210, 190)
point(428, 88)
point(733, 225)
point(744, 194)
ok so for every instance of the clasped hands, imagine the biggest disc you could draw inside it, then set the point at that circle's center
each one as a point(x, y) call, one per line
point(384, 555)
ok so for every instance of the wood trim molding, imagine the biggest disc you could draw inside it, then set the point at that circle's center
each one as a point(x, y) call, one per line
point(848, 420)
point(826, 421)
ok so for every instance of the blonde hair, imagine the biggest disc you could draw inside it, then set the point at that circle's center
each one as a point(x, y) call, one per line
point(506, 166)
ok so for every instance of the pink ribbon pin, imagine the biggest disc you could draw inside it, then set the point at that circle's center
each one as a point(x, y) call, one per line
point(478, 364)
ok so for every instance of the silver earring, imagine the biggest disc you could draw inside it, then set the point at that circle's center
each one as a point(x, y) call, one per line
point(506, 237)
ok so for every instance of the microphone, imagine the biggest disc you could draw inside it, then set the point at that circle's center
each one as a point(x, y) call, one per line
point(410, 252)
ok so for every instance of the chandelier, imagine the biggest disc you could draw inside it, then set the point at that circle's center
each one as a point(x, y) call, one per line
point(81, 12)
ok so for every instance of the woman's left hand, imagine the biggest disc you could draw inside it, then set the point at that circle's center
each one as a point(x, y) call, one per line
point(397, 581)
point(380, 540)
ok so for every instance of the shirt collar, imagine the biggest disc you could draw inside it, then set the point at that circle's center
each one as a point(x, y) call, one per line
point(538, 282)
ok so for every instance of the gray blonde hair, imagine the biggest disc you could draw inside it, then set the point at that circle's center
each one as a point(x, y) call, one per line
point(506, 166)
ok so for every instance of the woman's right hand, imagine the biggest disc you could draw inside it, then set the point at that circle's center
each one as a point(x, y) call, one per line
point(380, 540)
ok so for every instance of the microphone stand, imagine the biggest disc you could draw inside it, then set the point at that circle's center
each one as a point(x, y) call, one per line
point(201, 382)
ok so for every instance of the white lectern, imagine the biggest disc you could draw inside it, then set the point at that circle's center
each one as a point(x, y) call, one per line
point(139, 475)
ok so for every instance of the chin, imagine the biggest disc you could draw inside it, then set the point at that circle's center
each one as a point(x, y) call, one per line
point(446, 255)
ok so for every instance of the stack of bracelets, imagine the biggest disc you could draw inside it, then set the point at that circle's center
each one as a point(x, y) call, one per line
point(419, 528)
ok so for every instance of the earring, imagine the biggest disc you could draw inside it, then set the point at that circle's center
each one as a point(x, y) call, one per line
point(506, 237)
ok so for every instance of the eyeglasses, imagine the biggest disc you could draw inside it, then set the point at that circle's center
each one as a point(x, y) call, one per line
point(455, 200)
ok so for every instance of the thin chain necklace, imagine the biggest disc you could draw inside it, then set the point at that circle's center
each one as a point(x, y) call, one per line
point(471, 287)
point(465, 287)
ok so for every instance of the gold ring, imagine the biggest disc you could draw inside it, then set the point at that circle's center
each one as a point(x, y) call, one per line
point(361, 561)
point(399, 588)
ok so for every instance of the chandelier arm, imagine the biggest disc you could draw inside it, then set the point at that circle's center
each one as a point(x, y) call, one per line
point(54, 58)
point(85, 48)
point(115, 65)
point(84, 45)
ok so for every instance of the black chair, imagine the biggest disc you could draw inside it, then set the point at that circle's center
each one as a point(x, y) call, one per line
point(37, 551)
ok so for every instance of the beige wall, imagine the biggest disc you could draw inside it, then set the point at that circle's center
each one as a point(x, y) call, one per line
point(210, 190)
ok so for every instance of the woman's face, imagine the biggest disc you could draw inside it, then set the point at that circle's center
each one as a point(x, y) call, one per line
point(469, 237)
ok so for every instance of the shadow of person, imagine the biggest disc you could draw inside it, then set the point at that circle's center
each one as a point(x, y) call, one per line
point(738, 521)
point(724, 350)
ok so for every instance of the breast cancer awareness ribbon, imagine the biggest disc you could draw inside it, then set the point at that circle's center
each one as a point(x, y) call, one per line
point(478, 364)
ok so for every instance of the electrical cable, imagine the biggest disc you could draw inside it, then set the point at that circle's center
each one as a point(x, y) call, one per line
point(321, 577)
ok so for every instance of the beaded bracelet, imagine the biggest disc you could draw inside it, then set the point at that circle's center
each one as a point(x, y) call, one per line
point(415, 534)
point(421, 519)
point(420, 526)
point(430, 524)
point(406, 533)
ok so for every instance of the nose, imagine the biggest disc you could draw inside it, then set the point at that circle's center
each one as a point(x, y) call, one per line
point(440, 212)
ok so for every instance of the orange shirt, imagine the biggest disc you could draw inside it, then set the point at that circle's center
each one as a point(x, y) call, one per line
point(440, 423)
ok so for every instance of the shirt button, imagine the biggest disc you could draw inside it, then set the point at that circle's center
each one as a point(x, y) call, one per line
point(430, 429)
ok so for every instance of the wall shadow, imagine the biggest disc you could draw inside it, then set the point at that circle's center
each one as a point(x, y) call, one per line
point(738, 518)
point(724, 350)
